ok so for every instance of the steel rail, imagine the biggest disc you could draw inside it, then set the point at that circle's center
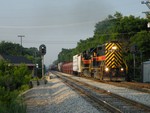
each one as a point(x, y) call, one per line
point(106, 105)
point(132, 102)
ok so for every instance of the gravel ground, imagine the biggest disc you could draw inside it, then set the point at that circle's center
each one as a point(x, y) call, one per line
point(56, 97)
point(125, 92)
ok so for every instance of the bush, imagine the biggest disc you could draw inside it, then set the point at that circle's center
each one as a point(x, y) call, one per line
point(17, 106)
point(24, 88)
point(13, 80)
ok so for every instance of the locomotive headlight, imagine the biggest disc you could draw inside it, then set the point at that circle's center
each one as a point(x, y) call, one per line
point(114, 47)
point(106, 69)
point(121, 69)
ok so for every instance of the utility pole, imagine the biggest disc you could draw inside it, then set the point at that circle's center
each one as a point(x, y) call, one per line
point(134, 50)
point(21, 36)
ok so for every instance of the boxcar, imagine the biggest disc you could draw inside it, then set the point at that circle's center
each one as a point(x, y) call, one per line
point(67, 68)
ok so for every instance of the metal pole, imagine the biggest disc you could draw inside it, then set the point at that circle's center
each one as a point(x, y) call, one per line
point(134, 65)
point(21, 41)
point(141, 67)
point(43, 66)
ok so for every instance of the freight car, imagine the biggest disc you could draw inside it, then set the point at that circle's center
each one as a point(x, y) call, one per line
point(104, 62)
point(59, 66)
point(67, 67)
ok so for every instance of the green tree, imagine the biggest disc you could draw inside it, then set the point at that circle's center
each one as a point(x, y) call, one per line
point(142, 40)
point(128, 29)
point(65, 55)
point(15, 49)
point(12, 48)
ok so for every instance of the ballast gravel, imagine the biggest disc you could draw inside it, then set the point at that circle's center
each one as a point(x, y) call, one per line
point(135, 95)
point(56, 97)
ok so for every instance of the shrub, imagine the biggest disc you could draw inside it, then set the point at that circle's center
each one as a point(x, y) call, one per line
point(13, 80)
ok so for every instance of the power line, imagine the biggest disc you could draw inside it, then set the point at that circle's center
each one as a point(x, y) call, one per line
point(67, 42)
point(49, 42)
point(47, 26)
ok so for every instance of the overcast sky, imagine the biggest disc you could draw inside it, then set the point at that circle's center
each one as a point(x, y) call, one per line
point(58, 23)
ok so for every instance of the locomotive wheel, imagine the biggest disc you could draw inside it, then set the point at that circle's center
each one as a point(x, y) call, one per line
point(86, 73)
point(96, 75)
point(101, 76)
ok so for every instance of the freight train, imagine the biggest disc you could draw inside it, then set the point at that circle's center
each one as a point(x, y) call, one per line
point(104, 62)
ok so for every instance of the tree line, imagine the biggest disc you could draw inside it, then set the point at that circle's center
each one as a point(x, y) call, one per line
point(130, 30)
point(15, 79)
point(14, 49)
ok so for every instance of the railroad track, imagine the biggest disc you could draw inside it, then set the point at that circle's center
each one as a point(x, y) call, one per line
point(110, 101)
point(129, 85)
point(134, 86)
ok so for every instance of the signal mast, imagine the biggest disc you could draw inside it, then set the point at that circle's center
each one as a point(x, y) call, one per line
point(147, 12)
point(42, 50)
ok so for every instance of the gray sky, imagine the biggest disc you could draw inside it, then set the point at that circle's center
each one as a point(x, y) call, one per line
point(58, 23)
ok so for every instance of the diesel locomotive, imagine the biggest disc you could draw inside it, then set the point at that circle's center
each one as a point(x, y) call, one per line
point(104, 62)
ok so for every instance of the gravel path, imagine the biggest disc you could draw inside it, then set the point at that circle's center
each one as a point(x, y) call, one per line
point(56, 97)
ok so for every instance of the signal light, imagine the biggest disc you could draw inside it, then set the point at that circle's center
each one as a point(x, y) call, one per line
point(42, 49)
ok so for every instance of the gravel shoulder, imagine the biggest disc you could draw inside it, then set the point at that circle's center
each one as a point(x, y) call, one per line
point(56, 97)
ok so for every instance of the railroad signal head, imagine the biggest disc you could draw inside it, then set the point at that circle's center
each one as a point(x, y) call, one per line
point(37, 65)
point(42, 49)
